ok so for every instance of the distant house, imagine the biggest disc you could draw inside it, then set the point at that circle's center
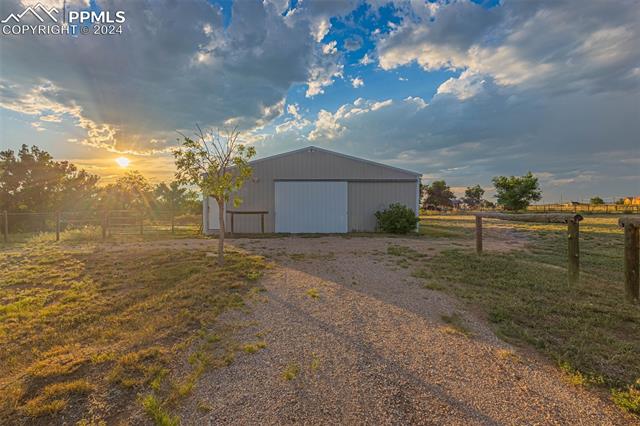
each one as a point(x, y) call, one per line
point(632, 201)
point(314, 190)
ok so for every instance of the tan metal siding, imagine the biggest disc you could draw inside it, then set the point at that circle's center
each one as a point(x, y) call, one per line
point(366, 198)
point(259, 194)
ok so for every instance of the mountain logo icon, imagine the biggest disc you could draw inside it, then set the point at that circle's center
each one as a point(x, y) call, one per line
point(38, 11)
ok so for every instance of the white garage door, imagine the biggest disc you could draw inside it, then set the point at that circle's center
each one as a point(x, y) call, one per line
point(311, 206)
point(214, 214)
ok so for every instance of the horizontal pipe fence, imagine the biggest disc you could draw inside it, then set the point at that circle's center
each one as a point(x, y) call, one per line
point(18, 226)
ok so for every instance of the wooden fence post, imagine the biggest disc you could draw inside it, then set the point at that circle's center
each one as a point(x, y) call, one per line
point(479, 234)
point(141, 223)
point(631, 260)
point(173, 225)
point(57, 226)
point(262, 222)
point(5, 228)
point(573, 233)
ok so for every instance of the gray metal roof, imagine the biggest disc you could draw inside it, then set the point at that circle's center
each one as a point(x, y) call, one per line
point(312, 148)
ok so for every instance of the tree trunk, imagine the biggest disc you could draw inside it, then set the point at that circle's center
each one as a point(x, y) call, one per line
point(221, 233)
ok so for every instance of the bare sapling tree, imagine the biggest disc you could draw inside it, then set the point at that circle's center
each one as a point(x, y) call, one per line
point(218, 163)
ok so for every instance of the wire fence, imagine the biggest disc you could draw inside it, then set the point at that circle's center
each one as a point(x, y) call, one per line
point(586, 208)
point(95, 224)
point(545, 208)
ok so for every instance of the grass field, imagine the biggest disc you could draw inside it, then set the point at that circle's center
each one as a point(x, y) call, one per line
point(89, 330)
point(588, 329)
point(94, 330)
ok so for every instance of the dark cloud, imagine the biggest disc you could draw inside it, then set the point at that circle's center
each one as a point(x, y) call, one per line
point(353, 43)
point(173, 66)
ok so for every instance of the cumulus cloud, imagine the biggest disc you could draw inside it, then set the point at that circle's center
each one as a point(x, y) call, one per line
point(366, 60)
point(353, 43)
point(357, 82)
point(524, 44)
point(551, 87)
point(330, 126)
point(466, 86)
point(173, 66)
point(330, 48)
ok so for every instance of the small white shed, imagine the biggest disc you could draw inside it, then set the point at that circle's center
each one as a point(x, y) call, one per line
point(314, 190)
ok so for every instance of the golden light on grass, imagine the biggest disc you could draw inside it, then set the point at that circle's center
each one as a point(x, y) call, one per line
point(122, 162)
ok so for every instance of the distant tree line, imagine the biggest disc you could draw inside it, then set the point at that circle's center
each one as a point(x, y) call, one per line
point(512, 193)
point(32, 181)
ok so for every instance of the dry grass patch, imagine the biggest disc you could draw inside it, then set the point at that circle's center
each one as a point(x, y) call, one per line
point(121, 318)
point(313, 293)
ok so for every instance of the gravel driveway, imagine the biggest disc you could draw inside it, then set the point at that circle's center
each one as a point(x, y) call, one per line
point(364, 343)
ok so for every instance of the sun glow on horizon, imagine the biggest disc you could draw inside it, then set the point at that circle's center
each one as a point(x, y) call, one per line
point(122, 162)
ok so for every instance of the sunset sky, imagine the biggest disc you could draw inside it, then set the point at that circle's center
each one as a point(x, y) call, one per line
point(457, 90)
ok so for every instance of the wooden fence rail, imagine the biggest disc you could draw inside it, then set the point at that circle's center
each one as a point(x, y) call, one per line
point(573, 234)
point(631, 225)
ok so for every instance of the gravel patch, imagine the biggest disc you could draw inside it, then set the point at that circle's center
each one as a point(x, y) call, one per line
point(366, 344)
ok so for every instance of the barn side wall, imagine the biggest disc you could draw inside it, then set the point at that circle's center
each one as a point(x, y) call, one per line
point(366, 198)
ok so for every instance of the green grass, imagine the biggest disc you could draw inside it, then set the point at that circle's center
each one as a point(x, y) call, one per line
point(588, 328)
point(252, 348)
point(441, 227)
point(455, 325)
point(122, 318)
point(157, 412)
point(313, 293)
point(290, 372)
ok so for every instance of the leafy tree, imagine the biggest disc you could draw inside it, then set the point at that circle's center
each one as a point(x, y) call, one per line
point(397, 219)
point(439, 194)
point(174, 196)
point(130, 191)
point(596, 200)
point(219, 165)
point(487, 204)
point(517, 192)
point(473, 196)
point(32, 181)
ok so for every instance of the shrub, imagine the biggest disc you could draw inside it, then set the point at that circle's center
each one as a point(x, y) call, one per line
point(397, 219)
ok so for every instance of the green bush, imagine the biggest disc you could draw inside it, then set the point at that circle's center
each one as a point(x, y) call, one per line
point(397, 219)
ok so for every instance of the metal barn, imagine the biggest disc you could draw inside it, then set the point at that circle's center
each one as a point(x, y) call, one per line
point(314, 190)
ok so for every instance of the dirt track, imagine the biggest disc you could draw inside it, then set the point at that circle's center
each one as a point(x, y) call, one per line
point(373, 349)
